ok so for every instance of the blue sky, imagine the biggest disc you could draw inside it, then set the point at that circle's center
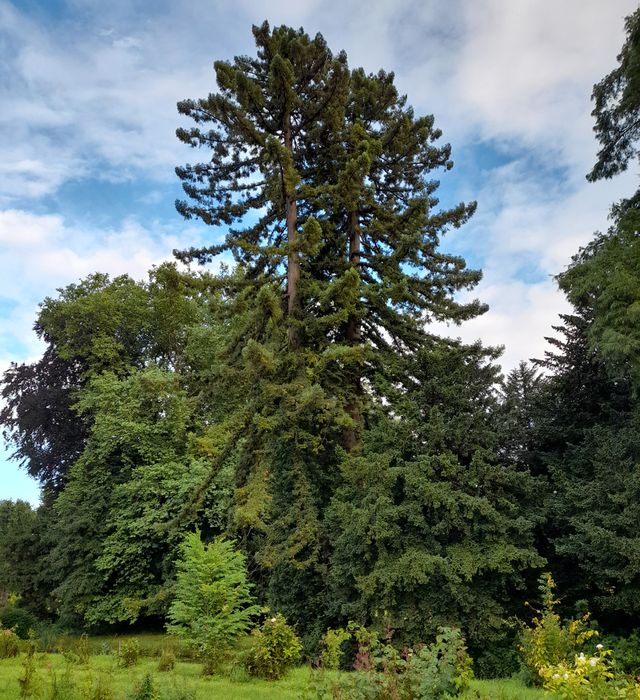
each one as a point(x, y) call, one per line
point(88, 92)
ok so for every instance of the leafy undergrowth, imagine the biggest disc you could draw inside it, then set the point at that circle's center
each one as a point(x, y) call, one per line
point(185, 682)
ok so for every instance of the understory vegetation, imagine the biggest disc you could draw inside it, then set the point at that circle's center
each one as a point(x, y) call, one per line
point(273, 464)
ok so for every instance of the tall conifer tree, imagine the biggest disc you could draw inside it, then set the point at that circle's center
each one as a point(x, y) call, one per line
point(325, 178)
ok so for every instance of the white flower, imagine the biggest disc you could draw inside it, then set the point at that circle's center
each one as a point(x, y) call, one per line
point(581, 657)
point(593, 662)
point(599, 646)
point(556, 675)
point(566, 676)
point(273, 619)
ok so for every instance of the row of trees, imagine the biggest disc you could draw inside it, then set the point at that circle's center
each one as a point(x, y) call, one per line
point(297, 402)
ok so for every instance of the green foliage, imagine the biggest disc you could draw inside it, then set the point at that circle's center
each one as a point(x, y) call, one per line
point(212, 603)
point(18, 619)
point(167, 660)
point(145, 689)
point(626, 651)
point(440, 670)
point(428, 528)
point(602, 282)
point(99, 687)
point(28, 681)
point(617, 105)
point(588, 677)
point(9, 644)
point(436, 672)
point(332, 648)
point(128, 653)
point(83, 649)
point(275, 648)
point(498, 660)
point(550, 642)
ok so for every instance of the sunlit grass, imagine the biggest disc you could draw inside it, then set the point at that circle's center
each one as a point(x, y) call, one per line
point(188, 675)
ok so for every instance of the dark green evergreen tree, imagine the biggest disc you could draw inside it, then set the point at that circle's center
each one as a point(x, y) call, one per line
point(429, 528)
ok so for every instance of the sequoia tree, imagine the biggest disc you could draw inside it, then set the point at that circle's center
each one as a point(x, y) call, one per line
point(304, 151)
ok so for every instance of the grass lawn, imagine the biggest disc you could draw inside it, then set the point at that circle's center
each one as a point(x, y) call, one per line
point(185, 682)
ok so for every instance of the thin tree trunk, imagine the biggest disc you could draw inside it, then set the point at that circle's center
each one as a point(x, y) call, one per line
point(354, 337)
point(293, 259)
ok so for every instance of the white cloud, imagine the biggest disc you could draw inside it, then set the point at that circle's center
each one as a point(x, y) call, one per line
point(95, 96)
point(39, 253)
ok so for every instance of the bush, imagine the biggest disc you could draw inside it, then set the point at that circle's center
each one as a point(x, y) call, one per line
point(274, 650)
point(167, 660)
point(9, 644)
point(501, 660)
point(626, 651)
point(550, 642)
point(145, 689)
point(436, 672)
point(18, 619)
point(129, 653)
point(332, 648)
point(28, 680)
point(588, 677)
point(99, 688)
point(212, 605)
point(441, 670)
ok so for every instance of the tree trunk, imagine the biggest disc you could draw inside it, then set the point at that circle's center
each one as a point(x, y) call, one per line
point(353, 335)
point(293, 259)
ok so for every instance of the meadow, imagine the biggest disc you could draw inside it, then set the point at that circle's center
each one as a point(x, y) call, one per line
point(101, 678)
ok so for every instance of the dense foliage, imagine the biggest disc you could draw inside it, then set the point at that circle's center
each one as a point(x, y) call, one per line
point(297, 403)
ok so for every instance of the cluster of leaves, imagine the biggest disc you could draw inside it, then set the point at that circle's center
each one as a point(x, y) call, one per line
point(588, 677)
point(212, 603)
point(275, 648)
point(9, 644)
point(435, 672)
point(549, 641)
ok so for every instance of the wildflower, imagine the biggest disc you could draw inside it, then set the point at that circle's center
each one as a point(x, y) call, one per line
point(593, 662)
point(566, 676)
point(599, 647)
point(273, 619)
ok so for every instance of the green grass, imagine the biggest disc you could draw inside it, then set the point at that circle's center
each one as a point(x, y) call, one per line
point(188, 675)
point(123, 681)
point(504, 690)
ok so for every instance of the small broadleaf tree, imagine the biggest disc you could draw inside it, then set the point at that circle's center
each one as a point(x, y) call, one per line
point(213, 605)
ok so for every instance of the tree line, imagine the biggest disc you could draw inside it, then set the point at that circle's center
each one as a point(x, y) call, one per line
point(294, 398)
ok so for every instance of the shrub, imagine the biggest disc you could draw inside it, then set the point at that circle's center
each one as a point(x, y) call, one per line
point(435, 672)
point(145, 689)
point(212, 605)
point(274, 650)
point(626, 651)
point(167, 660)
point(83, 649)
point(441, 670)
point(99, 688)
point(549, 641)
point(9, 644)
point(28, 680)
point(129, 653)
point(61, 687)
point(588, 677)
point(500, 660)
point(332, 648)
point(18, 619)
